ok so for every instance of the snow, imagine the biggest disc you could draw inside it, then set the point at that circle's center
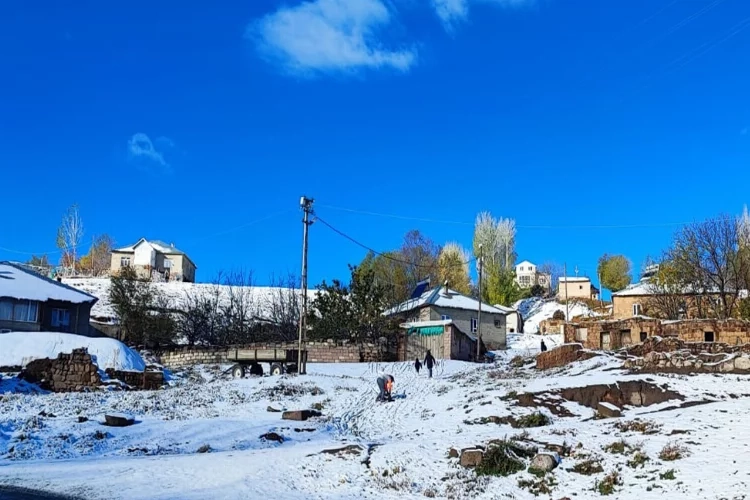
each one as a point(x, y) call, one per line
point(408, 439)
point(19, 348)
point(21, 284)
point(609, 406)
point(451, 300)
point(534, 310)
point(176, 291)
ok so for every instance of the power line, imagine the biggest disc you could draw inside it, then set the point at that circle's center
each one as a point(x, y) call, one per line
point(518, 226)
point(385, 255)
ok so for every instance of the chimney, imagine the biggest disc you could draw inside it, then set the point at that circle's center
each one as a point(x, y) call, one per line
point(172, 245)
point(445, 288)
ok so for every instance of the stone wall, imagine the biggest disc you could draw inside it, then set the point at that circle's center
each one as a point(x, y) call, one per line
point(627, 332)
point(68, 372)
point(561, 356)
point(147, 380)
point(317, 352)
point(688, 362)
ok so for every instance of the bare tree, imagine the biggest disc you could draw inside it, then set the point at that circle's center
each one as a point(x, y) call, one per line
point(282, 307)
point(667, 298)
point(710, 262)
point(69, 236)
point(240, 310)
point(554, 271)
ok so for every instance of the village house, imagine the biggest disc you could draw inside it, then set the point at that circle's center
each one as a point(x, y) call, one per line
point(527, 276)
point(153, 259)
point(569, 287)
point(443, 304)
point(32, 302)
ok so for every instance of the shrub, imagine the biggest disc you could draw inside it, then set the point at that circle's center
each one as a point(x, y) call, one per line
point(642, 426)
point(558, 315)
point(541, 486)
point(537, 419)
point(617, 448)
point(587, 468)
point(500, 459)
point(672, 452)
point(669, 475)
point(638, 460)
point(608, 485)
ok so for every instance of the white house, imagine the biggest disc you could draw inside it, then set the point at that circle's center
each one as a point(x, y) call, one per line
point(527, 276)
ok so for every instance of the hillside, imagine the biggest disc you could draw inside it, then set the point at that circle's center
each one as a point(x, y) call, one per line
point(177, 292)
point(534, 310)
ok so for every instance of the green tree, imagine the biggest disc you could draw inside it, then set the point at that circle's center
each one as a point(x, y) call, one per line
point(614, 272)
point(500, 287)
point(453, 267)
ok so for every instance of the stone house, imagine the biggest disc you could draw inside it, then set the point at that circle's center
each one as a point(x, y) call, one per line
point(442, 338)
point(576, 288)
point(527, 276)
point(153, 258)
point(32, 302)
point(617, 333)
point(442, 304)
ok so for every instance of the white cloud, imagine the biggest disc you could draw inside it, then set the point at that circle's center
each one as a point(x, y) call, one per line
point(329, 36)
point(141, 148)
point(451, 12)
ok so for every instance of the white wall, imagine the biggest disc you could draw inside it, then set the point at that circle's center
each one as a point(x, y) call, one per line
point(145, 255)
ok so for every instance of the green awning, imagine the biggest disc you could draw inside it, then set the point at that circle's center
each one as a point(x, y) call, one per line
point(426, 330)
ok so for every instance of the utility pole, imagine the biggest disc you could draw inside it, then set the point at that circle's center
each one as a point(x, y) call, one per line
point(567, 305)
point(479, 313)
point(306, 205)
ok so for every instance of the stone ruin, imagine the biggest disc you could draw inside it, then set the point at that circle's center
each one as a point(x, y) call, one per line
point(672, 355)
point(78, 372)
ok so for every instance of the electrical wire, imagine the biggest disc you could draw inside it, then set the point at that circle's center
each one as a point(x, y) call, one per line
point(385, 255)
point(518, 226)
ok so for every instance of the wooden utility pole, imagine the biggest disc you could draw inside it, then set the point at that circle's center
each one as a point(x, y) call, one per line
point(306, 205)
point(479, 313)
point(567, 305)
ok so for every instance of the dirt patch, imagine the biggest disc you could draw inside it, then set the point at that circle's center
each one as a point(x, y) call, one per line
point(633, 393)
point(545, 400)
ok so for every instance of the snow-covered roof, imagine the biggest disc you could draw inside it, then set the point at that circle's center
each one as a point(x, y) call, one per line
point(415, 324)
point(20, 283)
point(525, 263)
point(573, 279)
point(648, 288)
point(158, 245)
point(439, 297)
point(506, 310)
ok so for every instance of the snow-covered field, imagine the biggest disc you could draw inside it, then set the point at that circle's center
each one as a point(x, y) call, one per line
point(404, 444)
point(18, 348)
point(534, 310)
point(176, 291)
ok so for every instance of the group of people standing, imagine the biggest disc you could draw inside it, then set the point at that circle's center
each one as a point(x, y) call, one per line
point(386, 382)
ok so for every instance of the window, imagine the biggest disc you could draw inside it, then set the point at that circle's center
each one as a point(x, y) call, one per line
point(644, 336)
point(124, 261)
point(580, 287)
point(473, 325)
point(167, 264)
point(582, 334)
point(445, 317)
point(6, 310)
point(498, 323)
point(708, 336)
point(637, 311)
point(525, 280)
point(60, 317)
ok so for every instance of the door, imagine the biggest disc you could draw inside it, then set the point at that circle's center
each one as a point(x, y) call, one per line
point(606, 343)
point(417, 345)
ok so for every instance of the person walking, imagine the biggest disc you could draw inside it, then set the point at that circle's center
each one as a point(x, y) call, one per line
point(544, 346)
point(385, 387)
point(417, 365)
point(429, 362)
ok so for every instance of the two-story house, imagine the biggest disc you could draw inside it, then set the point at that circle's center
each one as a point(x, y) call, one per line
point(576, 287)
point(527, 276)
point(154, 257)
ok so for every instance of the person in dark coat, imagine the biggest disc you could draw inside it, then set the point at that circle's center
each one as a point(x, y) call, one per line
point(544, 346)
point(429, 362)
point(417, 365)
point(385, 386)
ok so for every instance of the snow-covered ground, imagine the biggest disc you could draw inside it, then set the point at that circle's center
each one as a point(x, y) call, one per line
point(176, 291)
point(534, 310)
point(18, 348)
point(44, 442)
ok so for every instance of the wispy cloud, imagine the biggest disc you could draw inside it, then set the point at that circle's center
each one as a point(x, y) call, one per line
point(328, 36)
point(142, 150)
point(453, 12)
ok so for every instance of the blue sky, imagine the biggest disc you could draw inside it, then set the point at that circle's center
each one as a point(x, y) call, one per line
point(203, 123)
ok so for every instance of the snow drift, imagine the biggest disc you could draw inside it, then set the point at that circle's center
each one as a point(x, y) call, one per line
point(19, 348)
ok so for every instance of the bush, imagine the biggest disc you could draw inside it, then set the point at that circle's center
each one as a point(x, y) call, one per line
point(538, 291)
point(501, 459)
point(537, 419)
point(558, 315)
point(617, 448)
point(607, 486)
point(587, 468)
point(669, 475)
point(639, 460)
point(672, 452)
point(642, 426)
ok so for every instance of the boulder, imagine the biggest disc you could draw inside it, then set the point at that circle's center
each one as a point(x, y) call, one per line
point(546, 462)
point(271, 409)
point(471, 457)
point(608, 410)
point(742, 363)
point(118, 420)
point(300, 415)
point(453, 453)
point(272, 436)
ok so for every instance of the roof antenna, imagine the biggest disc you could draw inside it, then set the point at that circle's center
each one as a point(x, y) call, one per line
point(576, 270)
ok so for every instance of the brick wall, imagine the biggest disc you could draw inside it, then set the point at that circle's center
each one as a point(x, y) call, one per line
point(317, 352)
